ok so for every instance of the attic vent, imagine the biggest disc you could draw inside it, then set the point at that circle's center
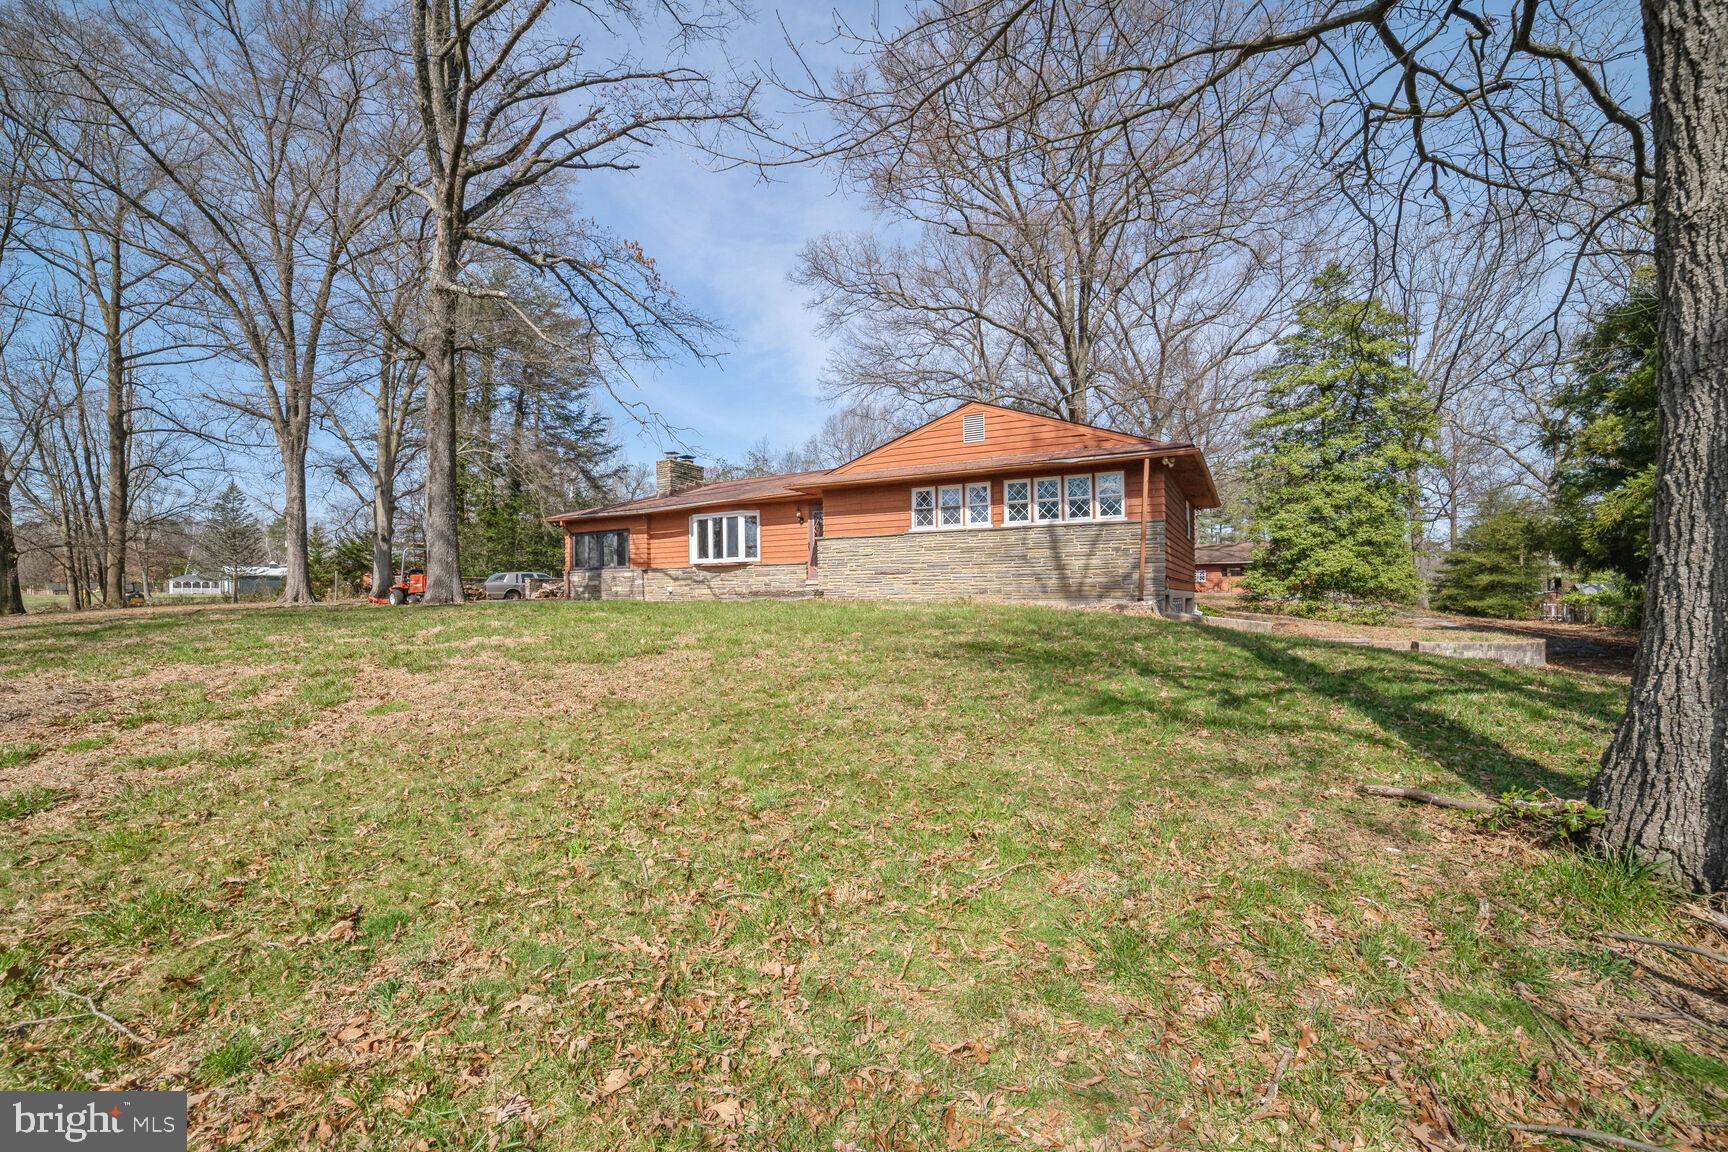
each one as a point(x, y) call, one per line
point(972, 428)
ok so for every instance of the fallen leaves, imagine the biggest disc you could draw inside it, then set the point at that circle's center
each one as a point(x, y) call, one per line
point(615, 1081)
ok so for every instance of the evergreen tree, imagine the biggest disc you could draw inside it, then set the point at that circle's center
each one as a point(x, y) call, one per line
point(231, 538)
point(1334, 458)
point(351, 558)
point(1499, 564)
point(532, 442)
point(1604, 444)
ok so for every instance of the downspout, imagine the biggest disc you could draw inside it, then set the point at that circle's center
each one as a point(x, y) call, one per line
point(569, 555)
point(1145, 503)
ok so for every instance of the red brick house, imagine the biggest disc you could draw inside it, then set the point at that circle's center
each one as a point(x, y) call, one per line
point(1220, 567)
point(984, 501)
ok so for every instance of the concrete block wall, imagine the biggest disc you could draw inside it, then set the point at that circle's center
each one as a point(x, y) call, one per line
point(1074, 562)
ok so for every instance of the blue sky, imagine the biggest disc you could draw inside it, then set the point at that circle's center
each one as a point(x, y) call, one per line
point(726, 241)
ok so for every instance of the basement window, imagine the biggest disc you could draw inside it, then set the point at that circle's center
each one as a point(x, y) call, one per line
point(725, 538)
point(972, 428)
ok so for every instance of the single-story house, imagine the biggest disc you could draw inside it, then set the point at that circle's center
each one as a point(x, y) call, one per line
point(1220, 567)
point(984, 501)
point(254, 580)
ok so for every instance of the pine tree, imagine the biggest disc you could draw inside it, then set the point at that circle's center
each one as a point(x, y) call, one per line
point(1499, 564)
point(231, 539)
point(1333, 459)
point(1604, 444)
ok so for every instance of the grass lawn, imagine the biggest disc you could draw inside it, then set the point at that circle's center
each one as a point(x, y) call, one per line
point(807, 875)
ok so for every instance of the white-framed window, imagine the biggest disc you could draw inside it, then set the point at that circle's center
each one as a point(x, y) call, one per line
point(1111, 503)
point(725, 538)
point(1077, 497)
point(978, 505)
point(923, 508)
point(1017, 501)
point(948, 506)
point(1047, 502)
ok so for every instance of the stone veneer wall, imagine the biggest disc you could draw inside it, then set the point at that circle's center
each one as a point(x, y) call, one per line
point(724, 583)
point(606, 584)
point(1081, 562)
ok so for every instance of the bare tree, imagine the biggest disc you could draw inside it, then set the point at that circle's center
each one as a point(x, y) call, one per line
point(1069, 255)
point(253, 125)
point(375, 416)
point(82, 234)
point(510, 112)
point(18, 422)
point(1536, 114)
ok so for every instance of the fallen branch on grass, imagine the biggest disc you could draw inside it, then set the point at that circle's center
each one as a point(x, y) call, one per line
point(1269, 1097)
point(1628, 938)
point(101, 1015)
point(1706, 915)
point(1585, 1134)
point(1423, 796)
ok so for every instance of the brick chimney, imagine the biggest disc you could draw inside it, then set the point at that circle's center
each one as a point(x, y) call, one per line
point(674, 472)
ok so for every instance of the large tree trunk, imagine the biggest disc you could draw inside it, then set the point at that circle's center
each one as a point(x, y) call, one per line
point(383, 530)
point(297, 581)
point(1664, 779)
point(11, 592)
point(114, 572)
point(443, 559)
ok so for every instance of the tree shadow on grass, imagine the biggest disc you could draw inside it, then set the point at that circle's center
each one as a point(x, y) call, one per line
point(1191, 672)
point(1402, 693)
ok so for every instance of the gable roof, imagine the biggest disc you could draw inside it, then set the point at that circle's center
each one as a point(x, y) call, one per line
point(938, 447)
point(1003, 431)
point(984, 464)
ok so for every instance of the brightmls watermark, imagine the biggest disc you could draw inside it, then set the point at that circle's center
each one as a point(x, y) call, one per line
point(103, 1121)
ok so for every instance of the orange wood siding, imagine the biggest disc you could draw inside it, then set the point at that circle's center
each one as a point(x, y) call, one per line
point(662, 539)
point(1006, 432)
point(1178, 545)
point(886, 509)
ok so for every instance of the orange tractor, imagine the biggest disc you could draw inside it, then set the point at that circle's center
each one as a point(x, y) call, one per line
point(408, 588)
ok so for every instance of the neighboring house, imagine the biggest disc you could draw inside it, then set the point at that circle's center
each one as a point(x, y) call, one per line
point(1220, 567)
point(984, 501)
point(254, 580)
point(1553, 605)
point(194, 584)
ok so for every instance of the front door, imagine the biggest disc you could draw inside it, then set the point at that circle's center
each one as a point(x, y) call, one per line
point(813, 522)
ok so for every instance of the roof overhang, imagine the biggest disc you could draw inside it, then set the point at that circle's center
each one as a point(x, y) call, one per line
point(1206, 497)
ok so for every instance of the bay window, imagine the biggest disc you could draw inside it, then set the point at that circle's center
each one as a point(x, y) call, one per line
point(725, 538)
